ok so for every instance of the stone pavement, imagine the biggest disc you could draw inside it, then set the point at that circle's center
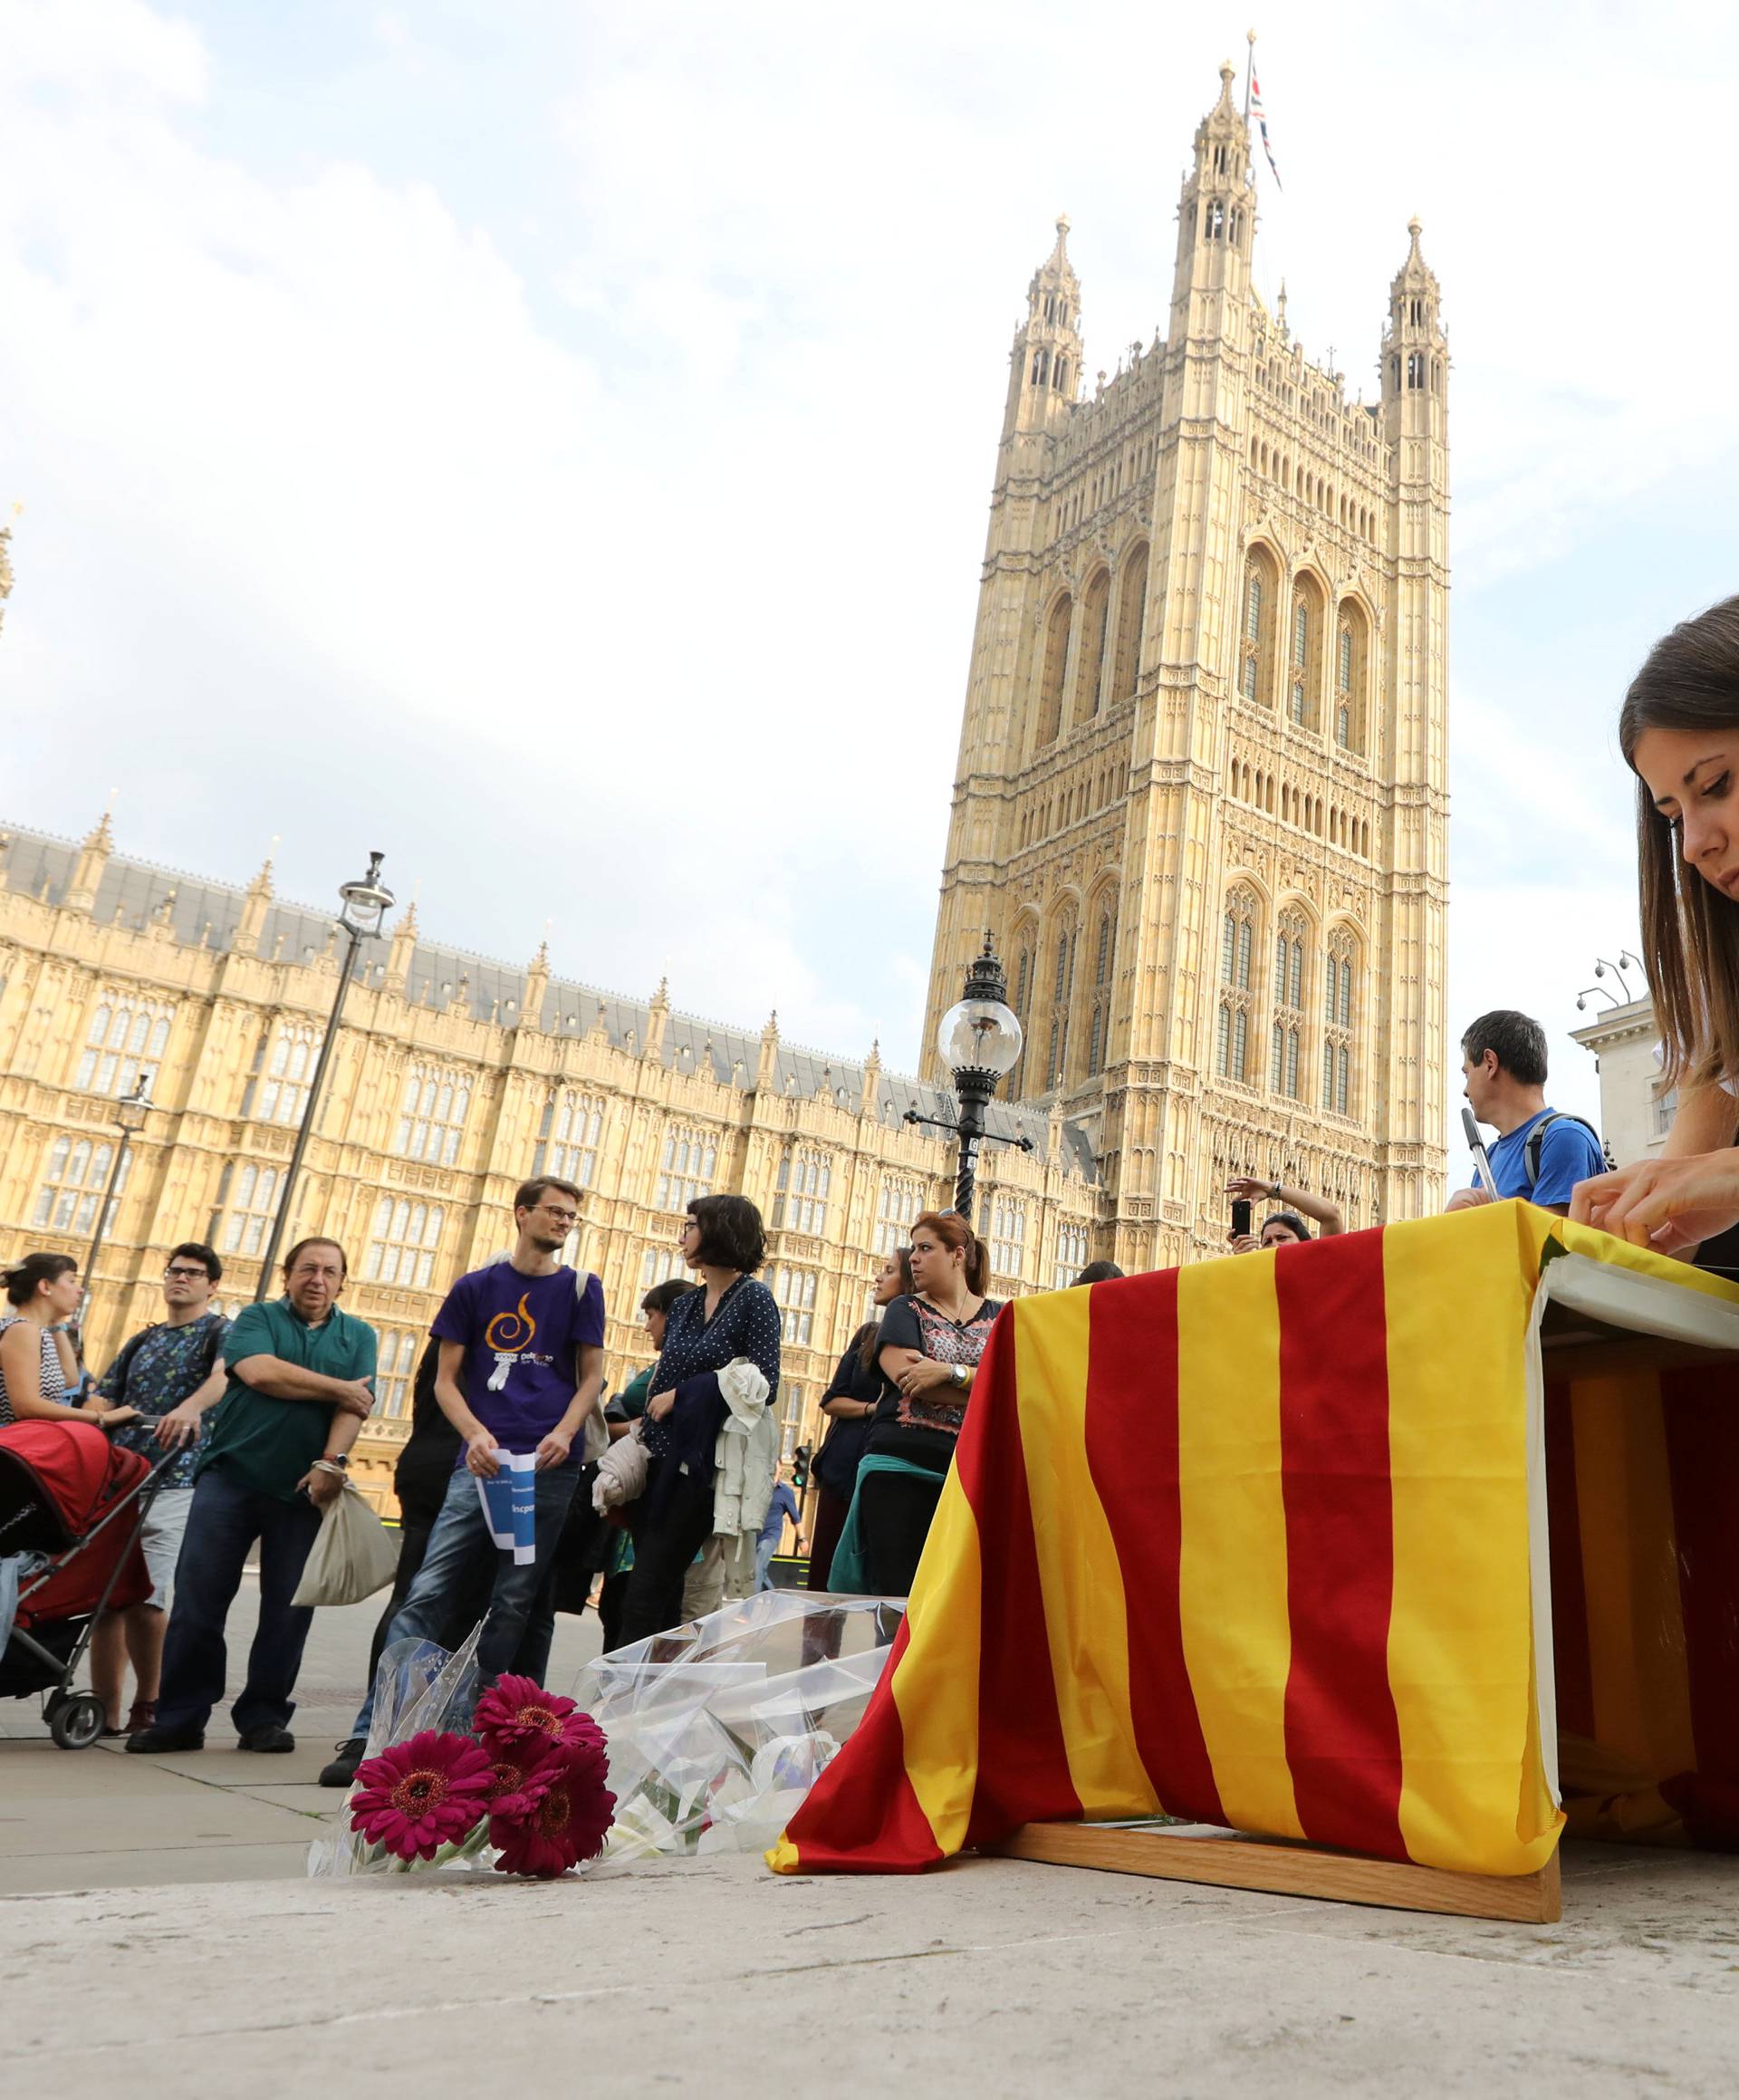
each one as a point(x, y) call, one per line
point(713, 1976)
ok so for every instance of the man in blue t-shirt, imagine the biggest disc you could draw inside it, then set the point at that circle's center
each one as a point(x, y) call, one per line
point(1504, 1076)
point(521, 1366)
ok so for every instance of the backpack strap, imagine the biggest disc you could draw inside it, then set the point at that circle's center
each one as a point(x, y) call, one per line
point(1536, 1141)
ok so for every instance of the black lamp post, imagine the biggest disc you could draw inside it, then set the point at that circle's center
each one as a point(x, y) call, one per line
point(979, 1040)
point(366, 904)
point(131, 1112)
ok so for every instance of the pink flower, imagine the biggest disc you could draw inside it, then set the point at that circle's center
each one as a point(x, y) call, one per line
point(421, 1794)
point(521, 1777)
point(571, 1816)
point(517, 1711)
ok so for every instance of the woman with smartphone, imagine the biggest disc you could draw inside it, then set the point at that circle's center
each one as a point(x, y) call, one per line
point(1281, 1227)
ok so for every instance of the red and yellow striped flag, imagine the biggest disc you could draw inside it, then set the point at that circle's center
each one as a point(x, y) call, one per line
point(1248, 1543)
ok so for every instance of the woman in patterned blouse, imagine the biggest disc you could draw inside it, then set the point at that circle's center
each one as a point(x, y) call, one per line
point(931, 1345)
point(733, 1315)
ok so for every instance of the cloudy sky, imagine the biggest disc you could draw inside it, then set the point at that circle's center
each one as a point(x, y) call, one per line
point(550, 442)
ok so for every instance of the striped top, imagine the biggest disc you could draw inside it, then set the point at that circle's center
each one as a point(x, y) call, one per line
point(54, 1382)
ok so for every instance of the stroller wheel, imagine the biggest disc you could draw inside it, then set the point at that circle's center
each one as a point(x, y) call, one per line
point(56, 1699)
point(77, 1721)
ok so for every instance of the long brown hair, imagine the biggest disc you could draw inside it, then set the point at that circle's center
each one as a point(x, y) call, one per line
point(952, 1231)
point(864, 1339)
point(1690, 935)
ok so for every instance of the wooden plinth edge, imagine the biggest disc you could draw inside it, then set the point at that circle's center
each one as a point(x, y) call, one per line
point(1224, 1861)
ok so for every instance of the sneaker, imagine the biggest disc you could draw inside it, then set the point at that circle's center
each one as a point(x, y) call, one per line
point(341, 1771)
point(150, 1743)
point(268, 1740)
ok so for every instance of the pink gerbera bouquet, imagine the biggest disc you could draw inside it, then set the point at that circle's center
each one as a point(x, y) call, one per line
point(531, 1782)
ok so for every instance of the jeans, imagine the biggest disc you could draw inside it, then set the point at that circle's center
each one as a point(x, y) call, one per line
point(225, 1520)
point(763, 1550)
point(516, 1609)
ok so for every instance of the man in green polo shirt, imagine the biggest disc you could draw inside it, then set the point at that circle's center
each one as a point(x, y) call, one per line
point(299, 1389)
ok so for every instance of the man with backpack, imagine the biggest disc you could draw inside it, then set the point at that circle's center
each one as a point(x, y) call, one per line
point(1541, 1152)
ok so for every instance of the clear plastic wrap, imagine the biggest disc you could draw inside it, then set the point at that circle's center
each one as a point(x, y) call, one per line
point(419, 1685)
point(719, 1729)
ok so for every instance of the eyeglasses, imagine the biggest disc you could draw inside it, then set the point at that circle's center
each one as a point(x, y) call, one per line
point(187, 1276)
point(689, 1224)
point(561, 1217)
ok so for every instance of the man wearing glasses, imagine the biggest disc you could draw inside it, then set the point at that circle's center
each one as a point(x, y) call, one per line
point(521, 1366)
point(173, 1374)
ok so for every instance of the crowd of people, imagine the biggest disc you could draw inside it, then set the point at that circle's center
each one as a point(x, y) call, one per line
point(252, 1419)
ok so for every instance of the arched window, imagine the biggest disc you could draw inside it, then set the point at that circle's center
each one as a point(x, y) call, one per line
point(1056, 661)
point(1062, 987)
point(1289, 937)
point(395, 1370)
point(431, 1116)
point(1339, 984)
point(1096, 612)
point(1237, 941)
point(1131, 613)
point(799, 1202)
point(795, 1290)
point(74, 1176)
point(403, 1246)
point(1303, 655)
point(898, 1204)
point(252, 1201)
point(125, 1040)
point(567, 1138)
point(1007, 1237)
point(688, 1164)
point(1351, 659)
point(1256, 629)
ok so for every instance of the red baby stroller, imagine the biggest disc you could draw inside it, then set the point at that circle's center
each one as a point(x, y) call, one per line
point(67, 1491)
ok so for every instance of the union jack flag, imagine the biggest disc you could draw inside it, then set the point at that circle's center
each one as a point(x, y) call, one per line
point(1256, 112)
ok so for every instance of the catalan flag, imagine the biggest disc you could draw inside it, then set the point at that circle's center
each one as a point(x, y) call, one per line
point(1262, 1543)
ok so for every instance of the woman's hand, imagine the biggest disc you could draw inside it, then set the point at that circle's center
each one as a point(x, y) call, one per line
point(112, 1418)
point(659, 1406)
point(1669, 1205)
point(924, 1376)
point(1248, 1190)
point(1245, 1243)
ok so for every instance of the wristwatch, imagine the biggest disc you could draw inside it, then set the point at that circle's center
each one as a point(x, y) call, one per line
point(959, 1375)
point(338, 1459)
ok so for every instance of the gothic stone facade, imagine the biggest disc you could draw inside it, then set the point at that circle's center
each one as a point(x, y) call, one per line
point(1201, 800)
point(453, 1078)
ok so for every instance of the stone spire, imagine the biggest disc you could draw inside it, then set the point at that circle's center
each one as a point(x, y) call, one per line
point(251, 922)
point(872, 1080)
point(1217, 221)
point(98, 843)
point(1045, 363)
point(767, 1071)
point(657, 1018)
point(537, 985)
point(400, 954)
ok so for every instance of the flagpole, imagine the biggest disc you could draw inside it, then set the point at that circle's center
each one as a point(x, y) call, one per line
point(1249, 64)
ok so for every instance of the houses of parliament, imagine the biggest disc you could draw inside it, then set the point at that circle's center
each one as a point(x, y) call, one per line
point(1200, 805)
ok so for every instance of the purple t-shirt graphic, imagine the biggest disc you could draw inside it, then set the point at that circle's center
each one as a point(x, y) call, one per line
point(520, 1335)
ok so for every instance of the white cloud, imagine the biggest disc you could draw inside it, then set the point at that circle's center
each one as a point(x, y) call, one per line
point(582, 496)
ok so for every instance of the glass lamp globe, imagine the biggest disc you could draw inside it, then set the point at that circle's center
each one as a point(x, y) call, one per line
point(367, 901)
point(979, 1036)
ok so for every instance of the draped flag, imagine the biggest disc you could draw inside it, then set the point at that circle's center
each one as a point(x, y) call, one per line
point(1257, 111)
point(1261, 1542)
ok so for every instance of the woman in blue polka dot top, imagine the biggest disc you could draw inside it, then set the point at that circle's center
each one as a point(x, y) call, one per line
point(733, 1315)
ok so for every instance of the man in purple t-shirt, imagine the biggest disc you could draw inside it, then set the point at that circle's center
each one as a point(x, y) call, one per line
point(521, 1366)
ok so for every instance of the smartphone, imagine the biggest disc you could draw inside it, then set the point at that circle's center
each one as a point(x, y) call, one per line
point(1241, 1217)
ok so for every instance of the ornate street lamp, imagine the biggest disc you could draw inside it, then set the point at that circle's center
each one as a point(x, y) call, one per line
point(131, 1112)
point(366, 904)
point(979, 1040)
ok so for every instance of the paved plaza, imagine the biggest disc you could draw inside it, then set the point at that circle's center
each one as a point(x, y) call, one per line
point(157, 1931)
